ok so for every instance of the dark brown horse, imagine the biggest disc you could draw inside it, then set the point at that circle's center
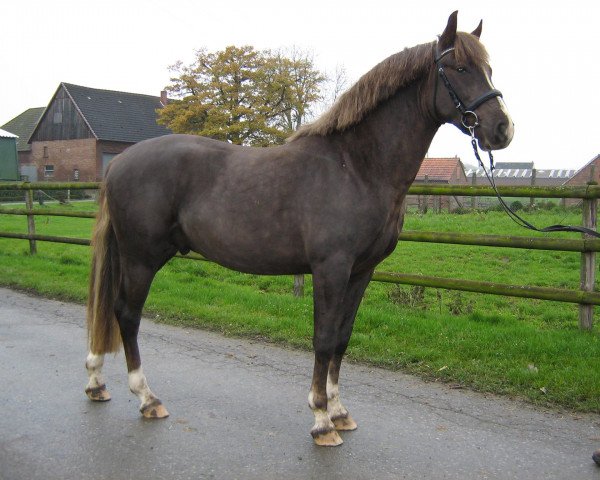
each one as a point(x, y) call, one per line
point(327, 203)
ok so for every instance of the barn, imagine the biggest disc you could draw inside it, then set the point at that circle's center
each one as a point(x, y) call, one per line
point(9, 169)
point(589, 173)
point(520, 174)
point(440, 171)
point(83, 128)
point(22, 126)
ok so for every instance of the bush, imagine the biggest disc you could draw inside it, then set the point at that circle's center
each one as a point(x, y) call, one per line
point(516, 205)
point(413, 297)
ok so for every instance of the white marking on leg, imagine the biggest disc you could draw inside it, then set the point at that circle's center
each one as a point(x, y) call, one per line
point(334, 405)
point(139, 386)
point(322, 420)
point(93, 364)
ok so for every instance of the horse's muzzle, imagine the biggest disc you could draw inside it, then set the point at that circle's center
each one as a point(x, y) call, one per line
point(500, 137)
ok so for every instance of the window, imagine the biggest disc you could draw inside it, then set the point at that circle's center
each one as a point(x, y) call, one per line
point(45, 152)
point(58, 117)
point(48, 171)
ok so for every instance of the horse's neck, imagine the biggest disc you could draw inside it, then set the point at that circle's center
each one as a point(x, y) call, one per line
point(392, 141)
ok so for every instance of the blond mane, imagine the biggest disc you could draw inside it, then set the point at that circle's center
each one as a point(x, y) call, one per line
point(384, 80)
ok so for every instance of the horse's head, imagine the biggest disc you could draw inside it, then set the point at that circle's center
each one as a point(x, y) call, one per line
point(463, 92)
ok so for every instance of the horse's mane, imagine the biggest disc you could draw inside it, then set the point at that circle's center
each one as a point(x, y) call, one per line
point(384, 80)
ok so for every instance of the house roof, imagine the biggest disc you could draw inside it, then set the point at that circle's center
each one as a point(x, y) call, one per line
point(23, 126)
point(438, 169)
point(593, 160)
point(117, 116)
point(557, 173)
point(514, 165)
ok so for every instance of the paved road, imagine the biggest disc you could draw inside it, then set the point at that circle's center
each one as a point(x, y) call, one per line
point(239, 411)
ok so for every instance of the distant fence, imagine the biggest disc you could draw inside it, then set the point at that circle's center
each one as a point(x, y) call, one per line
point(585, 296)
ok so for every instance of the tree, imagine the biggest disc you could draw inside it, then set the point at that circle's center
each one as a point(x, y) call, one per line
point(242, 95)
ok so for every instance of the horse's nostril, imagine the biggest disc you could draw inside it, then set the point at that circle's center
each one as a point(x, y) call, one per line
point(501, 129)
point(501, 132)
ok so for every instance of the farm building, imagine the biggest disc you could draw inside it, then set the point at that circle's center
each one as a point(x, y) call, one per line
point(590, 172)
point(23, 126)
point(443, 171)
point(8, 156)
point(83, 128)
point(520, 174)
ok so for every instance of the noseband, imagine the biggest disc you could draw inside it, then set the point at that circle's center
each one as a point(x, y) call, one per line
point(468, 118)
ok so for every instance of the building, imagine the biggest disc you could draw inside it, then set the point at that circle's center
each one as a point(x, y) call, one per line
point(23, 126)
point(442, 171)
point(519, 174)
point(83, 128)
point(590, 172)
point(9, 169)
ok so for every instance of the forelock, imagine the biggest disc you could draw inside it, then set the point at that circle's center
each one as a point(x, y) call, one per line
point(468, 49)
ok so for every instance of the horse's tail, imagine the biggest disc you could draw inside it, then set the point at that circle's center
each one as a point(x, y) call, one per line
point(103, 329)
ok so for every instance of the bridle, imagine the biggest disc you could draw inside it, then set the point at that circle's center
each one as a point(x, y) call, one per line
point(470, 121)
point(468, 117)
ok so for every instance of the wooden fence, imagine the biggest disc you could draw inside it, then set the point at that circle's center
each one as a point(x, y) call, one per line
point(586, 296)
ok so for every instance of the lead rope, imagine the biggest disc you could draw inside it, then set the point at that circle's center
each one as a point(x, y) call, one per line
point(511, 213)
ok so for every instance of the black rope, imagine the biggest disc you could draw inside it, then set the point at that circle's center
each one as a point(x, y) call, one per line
point(516, 217)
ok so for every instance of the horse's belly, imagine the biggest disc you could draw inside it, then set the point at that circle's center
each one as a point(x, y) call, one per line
point(264, 252)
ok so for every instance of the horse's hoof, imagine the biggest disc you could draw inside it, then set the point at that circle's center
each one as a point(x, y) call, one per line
point(596, 457)
point(327, 439)
point(346, 423)
point(98, 394)
point(154, 410)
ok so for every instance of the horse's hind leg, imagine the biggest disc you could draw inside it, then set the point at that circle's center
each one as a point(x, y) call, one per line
point(136, 278)
point(337, 412)
point(96, 387)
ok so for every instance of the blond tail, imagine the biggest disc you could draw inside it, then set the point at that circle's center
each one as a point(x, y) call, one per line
point(103, 330)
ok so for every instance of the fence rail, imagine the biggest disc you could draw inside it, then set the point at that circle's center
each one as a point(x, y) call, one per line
point(586, 297)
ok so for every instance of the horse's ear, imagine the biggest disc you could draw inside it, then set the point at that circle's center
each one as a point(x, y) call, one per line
point(477, 31)
point(447, 38)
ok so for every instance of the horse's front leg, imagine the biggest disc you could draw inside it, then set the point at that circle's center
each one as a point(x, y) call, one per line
point(329, 285)
point(354, 293)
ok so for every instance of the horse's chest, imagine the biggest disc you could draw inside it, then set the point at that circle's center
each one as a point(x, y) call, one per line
point(381, 246)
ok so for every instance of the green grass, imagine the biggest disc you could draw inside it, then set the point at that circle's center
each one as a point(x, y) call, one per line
point(522, 348)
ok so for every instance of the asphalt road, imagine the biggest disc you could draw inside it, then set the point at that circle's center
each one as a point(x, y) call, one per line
point(239, 411)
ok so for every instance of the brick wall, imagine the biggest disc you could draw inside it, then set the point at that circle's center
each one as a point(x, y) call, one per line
point(589, 173)
point(65, 156)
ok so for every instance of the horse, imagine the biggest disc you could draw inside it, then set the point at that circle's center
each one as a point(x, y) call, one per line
point(328, 202)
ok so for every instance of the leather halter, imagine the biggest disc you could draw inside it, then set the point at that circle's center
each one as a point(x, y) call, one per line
point(468, 118)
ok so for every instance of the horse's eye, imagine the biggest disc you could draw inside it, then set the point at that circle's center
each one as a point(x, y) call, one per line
point(461, 69)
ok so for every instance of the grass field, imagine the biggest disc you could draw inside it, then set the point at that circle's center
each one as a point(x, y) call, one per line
point(517, 347)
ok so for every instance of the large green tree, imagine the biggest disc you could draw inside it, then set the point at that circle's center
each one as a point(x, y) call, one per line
point(242, 95)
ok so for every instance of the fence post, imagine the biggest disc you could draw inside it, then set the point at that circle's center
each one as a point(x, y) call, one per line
point(473, 198)
point(30, 221)
point(533, 176)
point(588, 265)
point(298, 286)
point(425, 205)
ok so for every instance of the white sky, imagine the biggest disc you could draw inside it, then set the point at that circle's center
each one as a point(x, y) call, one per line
point(545, 54)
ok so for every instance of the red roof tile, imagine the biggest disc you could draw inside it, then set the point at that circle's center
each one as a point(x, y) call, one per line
point(439, 169)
